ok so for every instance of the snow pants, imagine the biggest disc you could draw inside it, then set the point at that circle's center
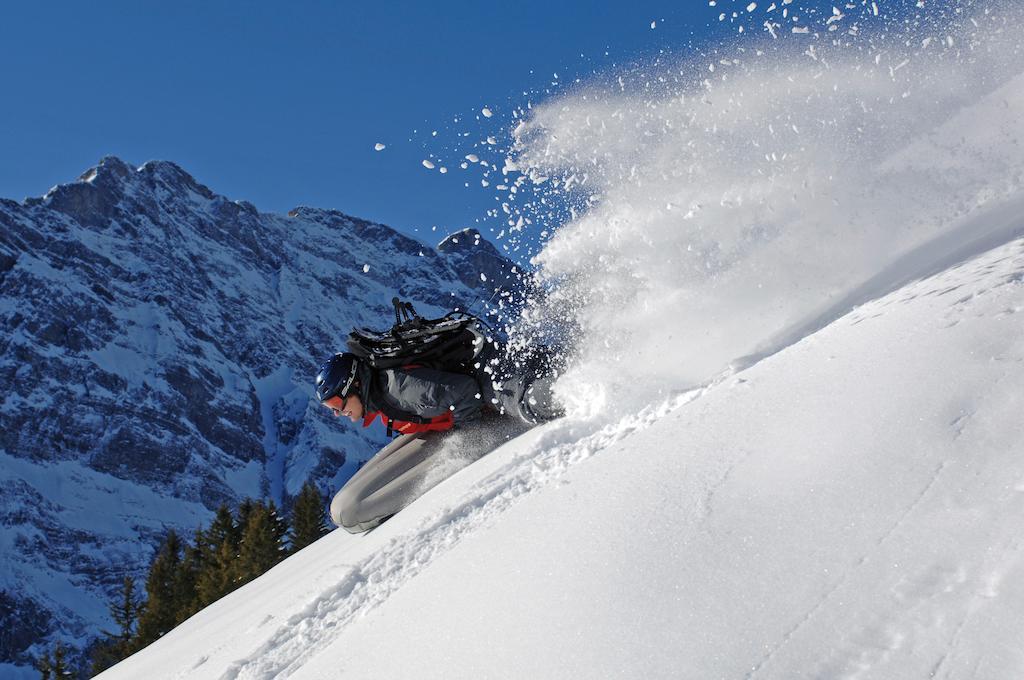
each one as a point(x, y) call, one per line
point(410, 465)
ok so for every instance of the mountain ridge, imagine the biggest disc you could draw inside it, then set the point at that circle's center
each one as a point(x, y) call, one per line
point(159, 343)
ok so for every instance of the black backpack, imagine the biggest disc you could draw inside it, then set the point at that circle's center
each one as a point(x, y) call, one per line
point(458, 342)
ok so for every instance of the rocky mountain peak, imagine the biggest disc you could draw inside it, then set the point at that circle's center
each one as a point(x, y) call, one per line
point(92, 199)
point(480, 265)
point(185, 329)
point(466, 241)
point(113, 188)
point(110, 169)
point(173, 176)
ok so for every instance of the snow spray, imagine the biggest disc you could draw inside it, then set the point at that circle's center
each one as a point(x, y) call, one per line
point(719, 198)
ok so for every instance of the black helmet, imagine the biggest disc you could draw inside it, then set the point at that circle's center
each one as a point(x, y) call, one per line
point(336, 377)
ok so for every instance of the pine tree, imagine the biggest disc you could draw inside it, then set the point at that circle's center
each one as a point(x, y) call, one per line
point(184, 578)
point(45, 667)
point(219, 575)
point(59, 667)
point(159, 614)
point(223, 528)
point(281, 529)
point(308, 522)
point(186, 581)
point(262, 541)
point(125, 612)
point(244, 510)
point(104, 655)
point(218, 551)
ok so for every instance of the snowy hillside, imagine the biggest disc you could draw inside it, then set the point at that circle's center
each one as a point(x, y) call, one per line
point(157, 357)
point(794, 269)
point(849, 507)
point(791, 268)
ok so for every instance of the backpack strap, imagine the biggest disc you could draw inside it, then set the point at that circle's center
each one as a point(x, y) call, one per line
point(389, 414)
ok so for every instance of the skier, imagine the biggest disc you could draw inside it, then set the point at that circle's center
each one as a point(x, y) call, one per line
point(424, 405)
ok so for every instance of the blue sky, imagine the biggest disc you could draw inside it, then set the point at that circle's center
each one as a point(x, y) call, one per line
point(281, 103)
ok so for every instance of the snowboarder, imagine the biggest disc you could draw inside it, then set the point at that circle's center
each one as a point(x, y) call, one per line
point(424, 405)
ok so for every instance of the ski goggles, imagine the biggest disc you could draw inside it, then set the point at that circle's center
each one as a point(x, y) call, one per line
point(336, 404)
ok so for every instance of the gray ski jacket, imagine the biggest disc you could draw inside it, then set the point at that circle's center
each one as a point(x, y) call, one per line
point(423, 399)
point(418, 399)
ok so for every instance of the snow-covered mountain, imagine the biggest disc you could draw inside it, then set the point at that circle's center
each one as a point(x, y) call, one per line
point(794, 268)
point(158, 350)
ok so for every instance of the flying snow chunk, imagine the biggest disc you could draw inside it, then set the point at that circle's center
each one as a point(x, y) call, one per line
point(379, 147)
point(483, 277)
point(427, 164)
point(654, 24)
point(751, 7)
point(366, 269)
point(472, 158)
point(487, 112)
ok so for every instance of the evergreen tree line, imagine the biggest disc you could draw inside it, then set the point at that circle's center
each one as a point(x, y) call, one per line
point(185, 577)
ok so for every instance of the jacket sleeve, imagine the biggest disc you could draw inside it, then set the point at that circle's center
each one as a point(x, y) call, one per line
point(429, 393)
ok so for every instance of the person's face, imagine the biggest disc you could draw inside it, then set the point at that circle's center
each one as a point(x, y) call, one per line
point(351, 407)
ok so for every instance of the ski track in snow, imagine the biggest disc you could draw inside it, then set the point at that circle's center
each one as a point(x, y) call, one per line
point(844, 578)
point(370, 582)
point(559, 446)
point(788, 635)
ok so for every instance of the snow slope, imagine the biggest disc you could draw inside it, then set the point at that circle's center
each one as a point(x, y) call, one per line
point(848, 507)
point(794, 447)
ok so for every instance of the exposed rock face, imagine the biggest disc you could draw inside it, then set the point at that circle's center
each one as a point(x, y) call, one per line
point(481, 267)
point(158, 346)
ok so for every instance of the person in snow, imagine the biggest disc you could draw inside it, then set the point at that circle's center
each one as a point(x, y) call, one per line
point(424, 406)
